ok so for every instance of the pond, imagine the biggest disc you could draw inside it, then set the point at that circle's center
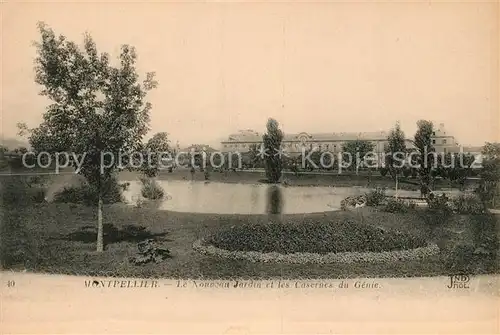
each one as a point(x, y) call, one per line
point(226, 198)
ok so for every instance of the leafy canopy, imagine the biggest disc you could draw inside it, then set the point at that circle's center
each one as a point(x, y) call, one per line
point(357, 148)
point(272, 144)
point(95, 107)
point(395, 151)
point(423, 144)
point(156, 149)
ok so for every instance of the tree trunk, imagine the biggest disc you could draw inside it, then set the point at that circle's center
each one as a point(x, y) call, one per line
point(396, 186)
point(100, 242)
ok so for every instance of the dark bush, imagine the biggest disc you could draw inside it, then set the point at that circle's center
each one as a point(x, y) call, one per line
point(397, 206)
point(468, 204)
point(439, 209)
point(383, 172)
point(461, 259)
point(150, 252)
point(351, 202)
point(89, 195)
point(313, 236)
point(151, 190)
point(19, 190)
point(375, 197)
point(439, 203)
point(485, 235)
point(17, 245)
point(480, 254)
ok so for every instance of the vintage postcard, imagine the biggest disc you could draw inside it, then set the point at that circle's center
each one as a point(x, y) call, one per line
point(250, 167)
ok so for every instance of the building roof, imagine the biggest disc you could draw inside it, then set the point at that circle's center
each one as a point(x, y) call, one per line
point(198, 147)
point(250, 136)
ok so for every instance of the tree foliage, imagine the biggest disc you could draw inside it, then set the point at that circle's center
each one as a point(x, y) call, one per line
point(489, 190)
point(395, 151)
point(272, 144)
point(424, 150)
point(96, 107)
point(456, 167)
point(156, 148)
point(254, 157)
point(357, 148)
point(98, 111)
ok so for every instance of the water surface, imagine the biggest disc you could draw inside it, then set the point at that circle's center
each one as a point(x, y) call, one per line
point(224, 198)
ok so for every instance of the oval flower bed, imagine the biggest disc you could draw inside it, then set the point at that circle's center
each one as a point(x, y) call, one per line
point(315, 242)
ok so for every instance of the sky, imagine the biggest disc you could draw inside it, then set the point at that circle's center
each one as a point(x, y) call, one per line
point(315, 67)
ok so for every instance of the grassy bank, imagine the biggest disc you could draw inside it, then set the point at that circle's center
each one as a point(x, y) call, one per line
point(346, 179)
point(343, 180)
point(60, 238)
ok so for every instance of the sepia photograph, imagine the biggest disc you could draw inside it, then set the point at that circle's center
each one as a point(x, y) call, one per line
point(250, 167)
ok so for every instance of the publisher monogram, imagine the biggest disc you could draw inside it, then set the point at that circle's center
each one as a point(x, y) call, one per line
point(459, 281)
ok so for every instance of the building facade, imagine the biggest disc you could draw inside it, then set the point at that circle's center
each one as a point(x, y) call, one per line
point(332, 142)
point(294, 144)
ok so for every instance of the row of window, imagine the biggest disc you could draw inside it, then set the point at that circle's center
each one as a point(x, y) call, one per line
point(299, 145)
point(443, 142)
point(290, 145)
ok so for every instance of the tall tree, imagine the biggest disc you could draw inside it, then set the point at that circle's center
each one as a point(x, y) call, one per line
point(272, 148)
point(489, 189)
point(424, 156)
point(357, 149)
point(98, 110)
point(395, 153)
point(156, 148)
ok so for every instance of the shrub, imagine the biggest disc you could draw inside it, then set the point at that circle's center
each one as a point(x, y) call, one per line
point(461, 259)
point(314, 237)
point(19, 190)
point(88, 195)
point(151, 190)
point(398, 206)
point(150, 252)
point(375, 197)
point(468, 204)
point(485, 234)
point(480, 254)
point(352, 202)
point(439, 203)
point(439, 209)
point(18, 245)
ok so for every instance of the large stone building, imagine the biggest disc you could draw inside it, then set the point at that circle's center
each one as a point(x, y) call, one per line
point(442, 141)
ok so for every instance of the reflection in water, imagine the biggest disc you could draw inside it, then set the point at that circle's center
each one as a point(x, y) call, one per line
point(275, 200)
point(223, 198)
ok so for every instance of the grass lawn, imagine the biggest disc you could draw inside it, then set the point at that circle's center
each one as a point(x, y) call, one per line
point(60, 238)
